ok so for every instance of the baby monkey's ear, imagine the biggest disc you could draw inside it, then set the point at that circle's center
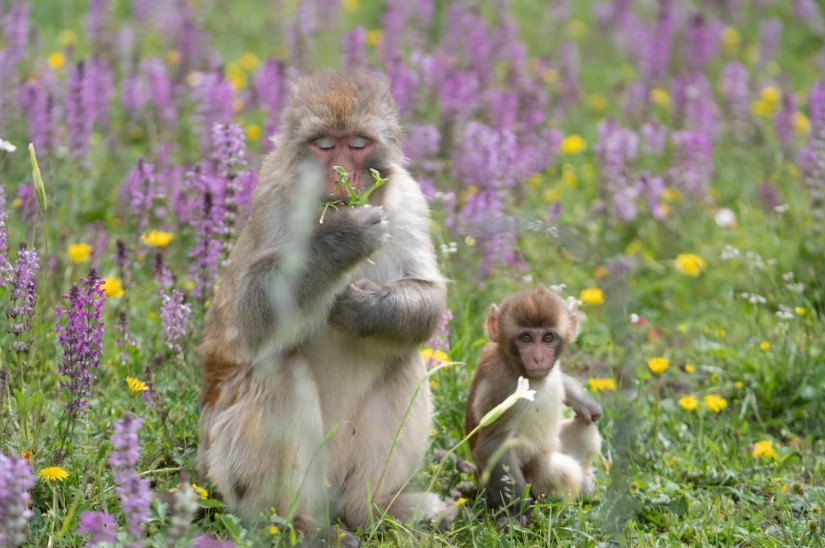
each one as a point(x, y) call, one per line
point(492, 324)
point(572, 330)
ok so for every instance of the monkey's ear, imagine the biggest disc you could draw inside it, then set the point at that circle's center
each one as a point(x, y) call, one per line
point(492, 324)
point(573, 326)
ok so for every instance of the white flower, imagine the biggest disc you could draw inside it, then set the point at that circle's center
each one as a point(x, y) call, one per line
point(729, 252)
point(522, 392)
point(782, 208)
point(7, 146)
point(725, 217)
point(788, 276)
point(796, 288)
point(558, 288)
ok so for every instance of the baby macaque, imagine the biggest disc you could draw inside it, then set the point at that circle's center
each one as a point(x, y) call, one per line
point(554, 456)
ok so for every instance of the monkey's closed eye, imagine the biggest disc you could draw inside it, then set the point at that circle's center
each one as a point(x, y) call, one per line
point(357, 142)
point(325, 143)
point(549, 337)
point(526, 338)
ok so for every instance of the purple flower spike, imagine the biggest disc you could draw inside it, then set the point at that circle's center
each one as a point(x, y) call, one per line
point(96, 20)
point(734, 84)
point(175, 318)
point(785, 120)
point(16, 480)
point(22, 285)
point(140, 187)
point(134, 491)
point(355, 42)
point(16, 33)
point(41, 114)
point(81, 339)
point(204, 541)
point(100, 526)
point(770, 32)
point(80, 111)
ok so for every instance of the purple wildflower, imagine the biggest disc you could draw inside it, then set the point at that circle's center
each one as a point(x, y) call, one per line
point(615, 149)
point(22, 285)
point(693, 163)
point(134, 491)
point(175, 318)
point(701, 112)
point(161, 272)
point(812, 157)
point(123, 338)
point(140, 187)
point(41, 114)
point(808, 12)
point(569, 55)
point(209, 226)
point(100, 526)
point(734, 85)
point(4, 263)
point(702, 42)
point(785, 120)
point(133, 95)
point(185, 506)
point(441, 338)
point(101, 89)
point(79, 111)
point(422, 145)
point(81, 339)
point(160, 89)
point(654, 187)
point(354, 47)
point(403, 84)
point(661, 42)
point(393, 25)
point(770, 32)
point(15, 33)
point(228, 154)
point(459, 94)
point(205, 541)
point(96, 20)
point(16, 480)
point(654, 138)
point(213, 95)
point(768, 196)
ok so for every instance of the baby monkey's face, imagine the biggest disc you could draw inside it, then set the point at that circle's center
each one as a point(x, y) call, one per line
point(538, 350)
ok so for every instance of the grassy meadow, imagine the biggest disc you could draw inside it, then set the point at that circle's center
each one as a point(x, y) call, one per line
point(663, 163)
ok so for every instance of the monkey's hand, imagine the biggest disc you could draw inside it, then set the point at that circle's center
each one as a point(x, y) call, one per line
point(585, 407)
point(355, 307)
point(351, 235)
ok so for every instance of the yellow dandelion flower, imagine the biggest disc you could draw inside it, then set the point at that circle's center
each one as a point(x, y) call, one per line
point(56, 60)
point(589, 172)
point(658, 365)
point(771, 95)
point(688, 403)
point(592, 295)
point(720, 333)
point(762, 108)
point(569, 179)
point(17, 202)
point(799, 311)
point(461, 501)
point(573, 144)
point(801, 123)
point(433, 432)
point(374, 37)
point(764, 448)
point(681, 328)
point(634, 486)
point(550, 76)
point(200, 491)
point(112, 287)
point(173, 57)
point(601, 385)
point(715, 403)
point(577, 29)
point(157, 238)
point(690, 264)
point(689, 368)
point(730, 36)
point(273, 530)
point(79, 253)
point(67, 38)
point(765, 345)
point(433, 385)
point(135, 386)
point(600, 272)
point(53, 473)
point(551, 194)
point(253, 132)
point(659, 97)
point(249, 61)
point(350, 5)
point(634, 248)
point(671, 195)
point(738, 384)
point(436, 355)
point(598, 103)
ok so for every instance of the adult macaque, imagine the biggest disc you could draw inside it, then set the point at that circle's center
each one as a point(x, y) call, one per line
point(554, 456)
point(315, 326)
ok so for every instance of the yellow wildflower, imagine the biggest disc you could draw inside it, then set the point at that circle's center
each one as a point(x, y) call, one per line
point(634, 486)
point(600, 272)
point(460, 501)
point(801, 123)
point(374, 37)
point(592, 295)
point(577, 29)
point(764, 448)
point(688, 403)
point(273, 530)
point(67, 38)
point(739, 384)
point(173, 57)
point(200, 491)
point(601, 385)
point(730, 36)
point(689, 368)
point(249, 61)
point(799, 311)
point(589, 172)
point(762, 108)
point(56, 60)
point(27, 455)
point(253, 132)
point(433, 385)
point(135, 386)
point(433, 432)
point(112, 287)
point(771, 95)
point(715, 403)
point(551, 194)
point(720, 333)
point(157, 238)
point(659, 97)
point(681, 328)
point(53, 473)
point(534, 180)
point(658, 365)
point(435, 355)
point(550, 76)
point(690, 264)
point(350, 5)
point(79, 253)
point(598, 103)
point(765, 345)
point(573, 144)
point(634, 248)
point(470, 241)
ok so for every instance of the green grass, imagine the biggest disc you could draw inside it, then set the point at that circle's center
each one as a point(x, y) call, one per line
point(696, 483)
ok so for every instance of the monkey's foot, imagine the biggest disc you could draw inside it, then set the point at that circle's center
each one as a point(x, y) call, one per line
point(588, 485)
point(425, 508)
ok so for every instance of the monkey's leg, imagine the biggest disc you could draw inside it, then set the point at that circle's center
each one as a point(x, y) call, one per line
point(583, 442)
point(554, 473)
point(262, 443)
point(366, 452)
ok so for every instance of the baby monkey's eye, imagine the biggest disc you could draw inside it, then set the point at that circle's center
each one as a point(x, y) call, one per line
point(325, 143)
point(357, 142)
point(526, 338)
point(549, 337)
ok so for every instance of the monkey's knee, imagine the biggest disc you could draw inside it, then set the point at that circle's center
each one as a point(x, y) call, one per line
point(580, 440)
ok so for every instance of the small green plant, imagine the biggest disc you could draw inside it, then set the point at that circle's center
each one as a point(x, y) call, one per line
point(355, 198)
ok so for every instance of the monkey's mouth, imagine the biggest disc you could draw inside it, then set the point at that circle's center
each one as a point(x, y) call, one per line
point(537, 372)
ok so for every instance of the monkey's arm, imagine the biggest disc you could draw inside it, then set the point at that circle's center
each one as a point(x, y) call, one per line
point(282, 293)
point(580, 401)
point(404, 311)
